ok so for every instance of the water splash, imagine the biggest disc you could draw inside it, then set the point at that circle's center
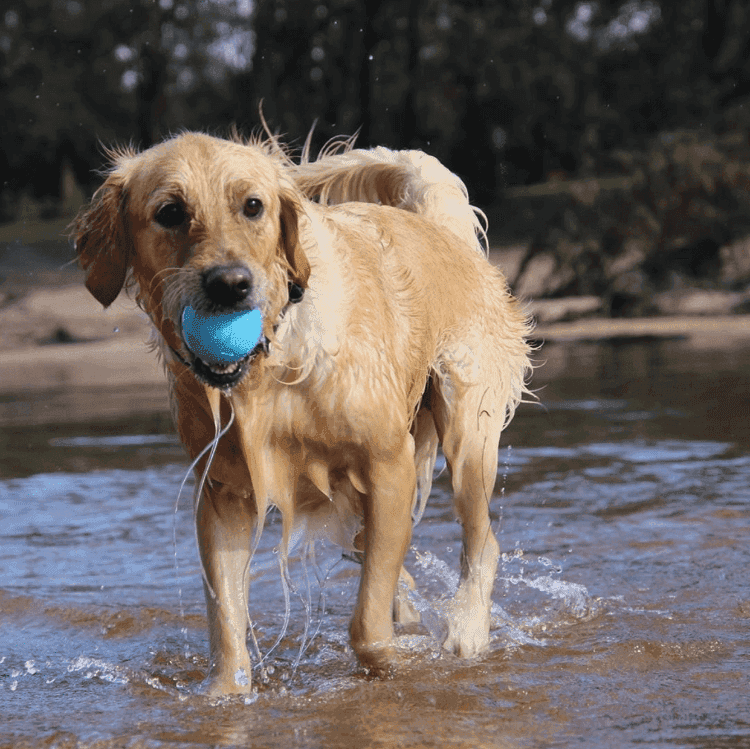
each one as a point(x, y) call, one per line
point(302, 590)
point(567, 603)
point(438, 570)
point(96, 668)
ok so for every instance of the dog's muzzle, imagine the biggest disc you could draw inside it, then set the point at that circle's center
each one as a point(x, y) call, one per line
point(228, 288)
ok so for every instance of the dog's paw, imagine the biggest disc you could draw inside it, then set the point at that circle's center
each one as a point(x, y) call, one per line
point(466, 644)
point(468, 632)
point(225, 684)
point(380, 661)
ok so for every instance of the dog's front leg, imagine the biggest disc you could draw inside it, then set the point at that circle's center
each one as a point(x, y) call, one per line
point(387, 517)
point(225, 523)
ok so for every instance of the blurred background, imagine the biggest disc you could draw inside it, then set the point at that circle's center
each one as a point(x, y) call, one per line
point(607, 141)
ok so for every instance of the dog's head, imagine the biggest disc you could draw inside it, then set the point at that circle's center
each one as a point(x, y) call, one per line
point(196, 221)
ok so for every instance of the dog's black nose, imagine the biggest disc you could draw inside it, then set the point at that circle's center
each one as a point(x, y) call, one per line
point(227, 285)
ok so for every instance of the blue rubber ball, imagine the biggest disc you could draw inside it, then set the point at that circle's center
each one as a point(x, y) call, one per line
point(221, 338)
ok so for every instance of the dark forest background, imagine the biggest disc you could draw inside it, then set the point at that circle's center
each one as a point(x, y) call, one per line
point(643, 100)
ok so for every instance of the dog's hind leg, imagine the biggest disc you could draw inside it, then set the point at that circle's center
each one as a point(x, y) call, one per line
point(425, 448)
point(387, 517)
point(225, 525)
point(403, 610)
point(469, 420)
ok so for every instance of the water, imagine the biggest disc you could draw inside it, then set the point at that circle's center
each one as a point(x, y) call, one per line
point(621, 611)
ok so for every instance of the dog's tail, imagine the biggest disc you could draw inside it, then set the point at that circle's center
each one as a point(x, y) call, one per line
point(410, 180)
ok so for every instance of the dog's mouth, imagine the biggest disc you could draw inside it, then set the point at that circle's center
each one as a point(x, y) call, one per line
point(222, 376)
point(225, 376)
point(213, 370)
point(219, 348)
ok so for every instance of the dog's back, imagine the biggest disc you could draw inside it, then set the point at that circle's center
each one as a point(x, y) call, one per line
point(410, 180)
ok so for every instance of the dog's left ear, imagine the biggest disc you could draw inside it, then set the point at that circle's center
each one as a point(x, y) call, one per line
point(101, 242)
point(299, 265)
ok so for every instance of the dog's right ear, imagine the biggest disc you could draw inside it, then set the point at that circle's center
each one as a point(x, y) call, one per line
point(101, 241)
point(299, 265)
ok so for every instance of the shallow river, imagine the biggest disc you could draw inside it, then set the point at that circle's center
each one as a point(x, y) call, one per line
point(621, 605)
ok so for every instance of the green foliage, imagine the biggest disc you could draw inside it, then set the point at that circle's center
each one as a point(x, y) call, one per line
point(504, 92)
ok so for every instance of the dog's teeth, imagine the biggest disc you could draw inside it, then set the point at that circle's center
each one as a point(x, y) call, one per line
point(223, 369)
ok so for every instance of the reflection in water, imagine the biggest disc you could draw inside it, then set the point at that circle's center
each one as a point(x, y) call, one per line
point(620, 609)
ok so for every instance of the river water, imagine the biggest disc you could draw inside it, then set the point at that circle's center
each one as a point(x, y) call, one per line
point(621, 607)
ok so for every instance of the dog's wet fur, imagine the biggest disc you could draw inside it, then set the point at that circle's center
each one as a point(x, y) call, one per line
point(370, 274)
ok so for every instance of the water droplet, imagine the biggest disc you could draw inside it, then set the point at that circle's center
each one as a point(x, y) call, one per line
point(31, 668)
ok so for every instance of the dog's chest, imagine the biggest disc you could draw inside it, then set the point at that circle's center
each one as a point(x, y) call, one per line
point(304, 457)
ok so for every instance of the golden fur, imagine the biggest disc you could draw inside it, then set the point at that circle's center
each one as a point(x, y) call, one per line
point(405, 338)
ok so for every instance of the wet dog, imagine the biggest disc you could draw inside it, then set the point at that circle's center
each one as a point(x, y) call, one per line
point(386, 332)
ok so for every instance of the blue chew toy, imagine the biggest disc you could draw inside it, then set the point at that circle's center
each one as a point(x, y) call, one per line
point(221, 338)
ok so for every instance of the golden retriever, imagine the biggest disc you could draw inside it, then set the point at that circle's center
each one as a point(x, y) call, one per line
point(386, 332)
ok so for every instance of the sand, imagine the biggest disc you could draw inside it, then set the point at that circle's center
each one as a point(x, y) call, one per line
point(53, 338)
point(62, 338)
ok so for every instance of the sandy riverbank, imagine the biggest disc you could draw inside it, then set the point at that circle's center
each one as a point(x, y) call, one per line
point(52, 338)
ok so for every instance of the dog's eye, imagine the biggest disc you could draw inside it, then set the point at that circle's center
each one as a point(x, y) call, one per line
point(252, 208)
point(171, 215)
